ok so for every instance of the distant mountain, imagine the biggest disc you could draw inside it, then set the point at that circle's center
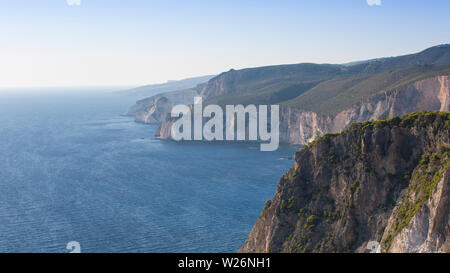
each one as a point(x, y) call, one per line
point(154, 89)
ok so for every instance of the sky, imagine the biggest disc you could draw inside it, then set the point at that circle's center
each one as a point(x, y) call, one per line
point(134, 42)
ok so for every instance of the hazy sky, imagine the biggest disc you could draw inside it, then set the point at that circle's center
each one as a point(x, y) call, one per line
point(134, 42)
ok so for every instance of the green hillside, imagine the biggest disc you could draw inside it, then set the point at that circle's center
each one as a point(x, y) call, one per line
point(330, 97)
point(325, 88)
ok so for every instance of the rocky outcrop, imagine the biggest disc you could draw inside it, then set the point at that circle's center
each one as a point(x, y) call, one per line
point(154, 110)
point(384, 181)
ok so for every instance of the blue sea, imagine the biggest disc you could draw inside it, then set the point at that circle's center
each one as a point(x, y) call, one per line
point(73, 169)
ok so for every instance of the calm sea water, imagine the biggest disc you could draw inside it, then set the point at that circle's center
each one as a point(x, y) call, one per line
point(72, 169)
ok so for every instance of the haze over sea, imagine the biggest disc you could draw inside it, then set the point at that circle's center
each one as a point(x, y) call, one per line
point(73, 169)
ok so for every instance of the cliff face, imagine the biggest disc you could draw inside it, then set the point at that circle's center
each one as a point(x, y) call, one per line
point(301, 127)
point(298, 126)
point(385, 181)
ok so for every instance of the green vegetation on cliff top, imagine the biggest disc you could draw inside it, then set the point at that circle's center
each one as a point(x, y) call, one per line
point(436, 119)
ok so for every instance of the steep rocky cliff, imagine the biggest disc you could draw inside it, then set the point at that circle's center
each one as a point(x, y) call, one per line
point(385, 181)
point(153, 110)
point(301, 127)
